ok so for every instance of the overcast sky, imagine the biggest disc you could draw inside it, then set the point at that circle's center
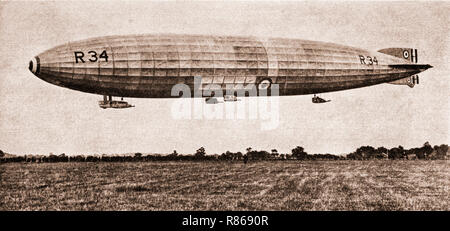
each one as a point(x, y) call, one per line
point(37, 117)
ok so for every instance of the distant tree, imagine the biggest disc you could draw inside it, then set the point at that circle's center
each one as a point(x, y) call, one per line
point(323, 157)
point(89, 158)
point(229, 155)
point(366, 152)
point(2, 154)
point(245, 158)
point(223, 156)
point(299, 153)
point(77, 158)
point(396, 153)
point(427, 148)
point(200, 153)
point(258, 155)
point(252, 155)
point(274, 153)
point(424, 151)
point(441, 151)
point(137, 156)
point(420, 154)
point(354, 156)
point(249, 149)
point(381, 153)
point(239, 155)
point(106, 158)
point(63, 158)
point(382, 150)
point(173, 155)
point(264, 155)
point(52, 158)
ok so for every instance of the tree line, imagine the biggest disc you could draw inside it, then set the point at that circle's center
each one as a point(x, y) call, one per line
point(298, 153)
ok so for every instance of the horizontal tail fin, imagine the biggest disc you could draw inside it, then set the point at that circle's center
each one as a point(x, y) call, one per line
point(404, 53)
point(411, 66)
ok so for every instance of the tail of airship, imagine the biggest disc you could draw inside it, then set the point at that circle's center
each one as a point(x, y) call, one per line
point(410, 55)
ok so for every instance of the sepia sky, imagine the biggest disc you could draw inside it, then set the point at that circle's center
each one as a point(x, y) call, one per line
point(37, 117)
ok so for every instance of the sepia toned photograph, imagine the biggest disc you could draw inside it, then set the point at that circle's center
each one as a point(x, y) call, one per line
point(224, 106)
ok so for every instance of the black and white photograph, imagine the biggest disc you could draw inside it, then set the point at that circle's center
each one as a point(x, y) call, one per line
point(224, 106)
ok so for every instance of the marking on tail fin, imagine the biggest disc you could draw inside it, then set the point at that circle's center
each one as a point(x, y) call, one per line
point(415, 79)
point(405, 54)
point(417, 58)
point(414, 55)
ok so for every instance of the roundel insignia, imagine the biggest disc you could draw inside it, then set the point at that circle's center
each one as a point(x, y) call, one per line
point(264, 84)
point(405, 54)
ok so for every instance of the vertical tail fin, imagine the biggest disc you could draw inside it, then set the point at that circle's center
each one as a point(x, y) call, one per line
point(404, 53)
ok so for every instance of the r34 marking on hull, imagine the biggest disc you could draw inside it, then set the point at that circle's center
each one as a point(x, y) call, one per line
point(93, 56)
point(369, 59)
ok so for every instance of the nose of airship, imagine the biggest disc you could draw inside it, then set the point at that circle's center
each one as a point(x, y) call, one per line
point(34, 65)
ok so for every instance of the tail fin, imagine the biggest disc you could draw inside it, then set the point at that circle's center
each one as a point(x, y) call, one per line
point(404, 53)
point(409, 81)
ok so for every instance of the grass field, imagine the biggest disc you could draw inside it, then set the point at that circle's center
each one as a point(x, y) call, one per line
point(278, 185)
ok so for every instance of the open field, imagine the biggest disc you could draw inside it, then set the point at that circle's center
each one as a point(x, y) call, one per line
point(278, 185)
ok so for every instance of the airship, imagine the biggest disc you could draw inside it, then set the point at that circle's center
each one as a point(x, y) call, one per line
point(149, 66)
